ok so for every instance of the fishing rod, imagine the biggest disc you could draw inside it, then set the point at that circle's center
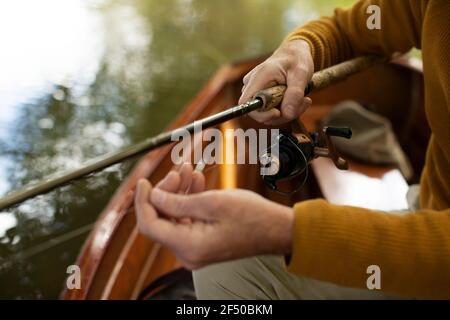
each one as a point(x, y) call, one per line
point(262, 101)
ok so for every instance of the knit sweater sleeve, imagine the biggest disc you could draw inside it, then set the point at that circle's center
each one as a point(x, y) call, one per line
point(346, 34)
point(338, 243)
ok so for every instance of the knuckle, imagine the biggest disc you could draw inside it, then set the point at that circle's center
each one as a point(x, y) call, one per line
point(252, 73)
point(287, 62)
point(289, 50)
point(302, 71)
point(268, 67)
point(286, 57)
point(248, 75)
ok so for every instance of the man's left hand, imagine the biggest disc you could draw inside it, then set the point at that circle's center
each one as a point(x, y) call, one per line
point(204, 227)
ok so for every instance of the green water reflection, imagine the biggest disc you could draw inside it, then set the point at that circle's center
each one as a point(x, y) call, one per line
point(81, 78)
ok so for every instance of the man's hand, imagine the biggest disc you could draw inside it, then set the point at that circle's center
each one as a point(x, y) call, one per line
point(292, 65)
point(210, 226)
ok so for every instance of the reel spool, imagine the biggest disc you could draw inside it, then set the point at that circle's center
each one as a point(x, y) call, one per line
point(289, 157)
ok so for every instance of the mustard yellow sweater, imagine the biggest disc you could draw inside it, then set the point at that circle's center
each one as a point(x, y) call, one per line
point(337, 243)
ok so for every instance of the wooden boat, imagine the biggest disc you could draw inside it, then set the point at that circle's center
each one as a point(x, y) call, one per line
point(118, 263)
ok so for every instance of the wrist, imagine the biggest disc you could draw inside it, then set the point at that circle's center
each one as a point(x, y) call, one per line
point(289, 231)
point(299, 54)
point(297, 47)
point(285, 219)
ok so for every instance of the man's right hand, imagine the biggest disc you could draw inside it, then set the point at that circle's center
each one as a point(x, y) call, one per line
point(291, 64)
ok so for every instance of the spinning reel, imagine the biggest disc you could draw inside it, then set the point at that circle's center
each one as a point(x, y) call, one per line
point(292, 152)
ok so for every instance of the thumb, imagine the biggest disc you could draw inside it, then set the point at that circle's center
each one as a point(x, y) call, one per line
point(179, 205)
point(291, 107)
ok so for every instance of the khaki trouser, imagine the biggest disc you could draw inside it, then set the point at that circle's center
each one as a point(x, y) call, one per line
point(266, 277)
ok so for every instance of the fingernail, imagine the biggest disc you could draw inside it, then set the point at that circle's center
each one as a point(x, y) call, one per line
point(308, 102)
point(289, 111)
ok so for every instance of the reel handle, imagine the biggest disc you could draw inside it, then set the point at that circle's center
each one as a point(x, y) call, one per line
point(343, 132)
point(329, 150)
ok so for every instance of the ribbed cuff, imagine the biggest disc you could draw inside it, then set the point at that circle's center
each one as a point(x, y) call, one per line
point(322, 244)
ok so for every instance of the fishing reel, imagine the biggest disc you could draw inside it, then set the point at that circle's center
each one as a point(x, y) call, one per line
point(290, 154)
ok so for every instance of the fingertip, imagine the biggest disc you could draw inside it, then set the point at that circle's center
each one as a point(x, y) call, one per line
point(289, 111)
point(264, 116)
point(307, 102)
point(141, 200)
point(173, 181)
point(244, 94)
point(185, 177)
point(198, 182)
point(170, 182)
point(275, 113)
point(198, 173)
point(172, 174)
point(142, 186)
point(142, 182)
